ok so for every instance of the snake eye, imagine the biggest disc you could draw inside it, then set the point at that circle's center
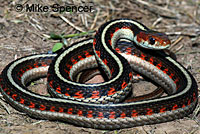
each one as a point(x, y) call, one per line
point(151, 40)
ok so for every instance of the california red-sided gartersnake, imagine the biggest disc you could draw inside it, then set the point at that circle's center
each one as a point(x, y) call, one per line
point(99, 105)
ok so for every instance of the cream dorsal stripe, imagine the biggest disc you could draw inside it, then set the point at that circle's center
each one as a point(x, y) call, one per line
point(110, 115)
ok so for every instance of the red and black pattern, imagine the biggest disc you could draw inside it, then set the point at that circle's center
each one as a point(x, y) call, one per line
point(111, 112)
point(114, 116)
point(154, 58)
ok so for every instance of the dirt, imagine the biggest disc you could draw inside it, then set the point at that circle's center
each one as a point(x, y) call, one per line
point(24, 33)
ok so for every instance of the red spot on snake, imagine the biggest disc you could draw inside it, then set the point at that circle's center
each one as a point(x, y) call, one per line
point(100, 115)
point(14, 96)
point(27, 69)
point(189, 102)
point(124, 84)
point(111, 91)
point(151, 60)
point(61, 110)
point(94, 42)
point(19, 78)
point(68, 66)
point(19, 73)
point(178, 86)
point(43, 64)
point(52, 109)
point(89, 115)
point(171, 75)
point(42, 107)
point(51, 83)
point(105, 61)
point(66, 94)
point(98, 53)
point(32, 105)
point(111, 35)
point(128, 50)
point(111, 71)
point(134, 113)
point(175, 107)
point(95, 94)
point(112, 115)
point(117, 50)
point(130, 75)
point(125, 27)
point(142, 56)
point(116, 29)
point(78, 94)
point(21, 101)
point(5, 89)
point(165, 70)
point(36, 65)
point(110, 42)
point(159, 65)
point(183, 105)
point(80, 57)
point(70, 110)
point(30, 67)
point(58, 89)
point(8, 93)
point(162, 110)
point(123, 115)
point(87, 54)
point(67, 71)
point(80, 113)
point(73, 61)
point(194, 96)
point(149, 111)
point(176, 80)
point(22, 71)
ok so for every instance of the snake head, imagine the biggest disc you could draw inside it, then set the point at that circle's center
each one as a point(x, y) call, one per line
point(152, 40)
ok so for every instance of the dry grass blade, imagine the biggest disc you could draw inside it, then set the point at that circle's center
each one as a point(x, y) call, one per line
point(71, 24)
point(24, 33)
point(95, 19)
point(176, 42)
point(182, 34)
point(4, 106)
point(157, 9)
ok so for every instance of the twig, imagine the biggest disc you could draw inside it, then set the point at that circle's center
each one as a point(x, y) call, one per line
point(151, 5)
point(79, 34)
point(4, 106)
point(157, 9)
point(95, 19)
point(182, 25)
point(182, 34)
point(178, 49)
point(84, 19)
point(71, 24)
point(156, 22)
point(59, 37)
point(190, 52)
point(38, 122)
point(176, 42)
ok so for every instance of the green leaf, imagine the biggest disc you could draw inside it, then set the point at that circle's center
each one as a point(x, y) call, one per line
point(57, 47)
point(55, 36)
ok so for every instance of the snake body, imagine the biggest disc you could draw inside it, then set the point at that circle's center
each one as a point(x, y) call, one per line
point(99, 105)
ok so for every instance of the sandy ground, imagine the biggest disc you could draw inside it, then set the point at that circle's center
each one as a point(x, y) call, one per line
point(24, 33)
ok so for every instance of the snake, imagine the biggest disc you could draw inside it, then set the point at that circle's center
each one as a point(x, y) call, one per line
point(100, 105)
